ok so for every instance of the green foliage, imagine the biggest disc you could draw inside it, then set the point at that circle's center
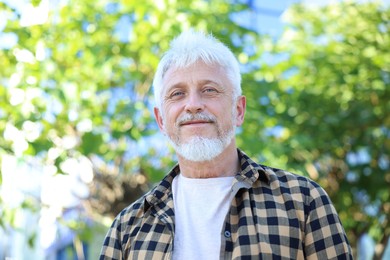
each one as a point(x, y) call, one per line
point(327, 93)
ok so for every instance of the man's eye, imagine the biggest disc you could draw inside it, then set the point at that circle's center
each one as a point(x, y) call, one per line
point(209, 90)
point(177, 94)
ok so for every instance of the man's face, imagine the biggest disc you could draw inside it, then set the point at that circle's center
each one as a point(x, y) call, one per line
point(197, 106)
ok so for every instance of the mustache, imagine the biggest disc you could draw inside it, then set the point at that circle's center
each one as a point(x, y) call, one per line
point(193, 117)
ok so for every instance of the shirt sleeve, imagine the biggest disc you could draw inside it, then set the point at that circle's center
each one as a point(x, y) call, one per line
point(112, 248)
point(325, 237)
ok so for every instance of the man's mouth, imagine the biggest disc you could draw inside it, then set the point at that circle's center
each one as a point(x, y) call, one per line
point(195, 122)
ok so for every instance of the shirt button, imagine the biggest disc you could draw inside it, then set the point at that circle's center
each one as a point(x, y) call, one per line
point(227, 234)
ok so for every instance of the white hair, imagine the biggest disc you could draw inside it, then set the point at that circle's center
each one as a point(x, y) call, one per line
point(190, 47)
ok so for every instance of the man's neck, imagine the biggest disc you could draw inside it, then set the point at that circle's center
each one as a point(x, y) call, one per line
point(225, 164)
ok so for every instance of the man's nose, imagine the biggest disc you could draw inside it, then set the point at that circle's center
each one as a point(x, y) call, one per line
point(194, 103)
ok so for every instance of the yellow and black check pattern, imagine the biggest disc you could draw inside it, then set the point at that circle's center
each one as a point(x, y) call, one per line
point(274, 215)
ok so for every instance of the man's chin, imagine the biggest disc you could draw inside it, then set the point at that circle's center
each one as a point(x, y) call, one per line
point(200, 149)
point(196, 137)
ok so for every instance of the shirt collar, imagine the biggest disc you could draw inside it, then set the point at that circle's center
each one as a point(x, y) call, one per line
point(251, 171)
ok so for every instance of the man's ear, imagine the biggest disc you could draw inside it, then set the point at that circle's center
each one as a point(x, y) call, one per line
point(159, 119)
point(241, 108)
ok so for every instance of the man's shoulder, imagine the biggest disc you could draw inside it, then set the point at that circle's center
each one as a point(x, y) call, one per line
point(288, 182)
point(284, 176)
point(273, 175)
point(288, 177)
point(141, 207)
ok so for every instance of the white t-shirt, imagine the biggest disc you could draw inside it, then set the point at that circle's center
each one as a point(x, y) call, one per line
point(200, 208)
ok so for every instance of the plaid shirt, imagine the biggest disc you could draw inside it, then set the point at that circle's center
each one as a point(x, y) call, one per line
point(274, 215)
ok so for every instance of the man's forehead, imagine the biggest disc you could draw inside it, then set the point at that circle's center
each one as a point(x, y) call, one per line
point(172, 68)
point(196, 73)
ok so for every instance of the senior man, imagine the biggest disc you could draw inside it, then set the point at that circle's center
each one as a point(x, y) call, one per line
point(217, 203)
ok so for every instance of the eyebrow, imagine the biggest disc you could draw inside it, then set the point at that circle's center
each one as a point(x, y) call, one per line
point(206, 81)
point(199, 83)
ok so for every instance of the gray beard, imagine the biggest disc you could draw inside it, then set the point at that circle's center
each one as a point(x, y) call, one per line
point(200, 149)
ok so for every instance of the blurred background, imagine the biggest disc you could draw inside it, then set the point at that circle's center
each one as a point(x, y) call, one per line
point(78, 141)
